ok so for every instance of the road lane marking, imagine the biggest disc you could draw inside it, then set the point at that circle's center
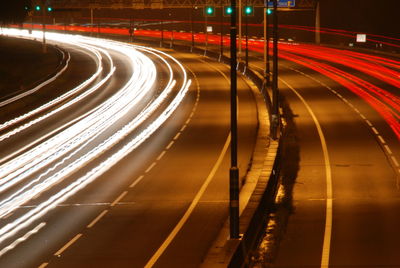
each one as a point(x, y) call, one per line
point(43, 265)
point(395, 161)
point(118, 198)
point(90, 225)
point(150, 167)
point(73, 240)
point(381, 139)
point(136, 181)
point(177, 136)
point(329, 193)
point(183, 128)
point(161, 155)
point(170, 145)
point(192, 206)
point(388, 149)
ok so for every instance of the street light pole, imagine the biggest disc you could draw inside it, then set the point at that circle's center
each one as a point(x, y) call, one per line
point(221, 45)
point(275, 97)
point(191, 28)
point(234, 170)
point(44, 45)
point(247, 38)
point(240, 30)
point(162, 33)
point(317, 24)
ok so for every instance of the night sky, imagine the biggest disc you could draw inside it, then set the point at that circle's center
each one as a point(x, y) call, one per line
point(371, 16)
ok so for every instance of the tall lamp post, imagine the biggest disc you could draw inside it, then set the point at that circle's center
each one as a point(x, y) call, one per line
point(275, 97)
point(234, 170)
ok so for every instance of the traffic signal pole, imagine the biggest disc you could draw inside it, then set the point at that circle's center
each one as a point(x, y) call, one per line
point(234, 170)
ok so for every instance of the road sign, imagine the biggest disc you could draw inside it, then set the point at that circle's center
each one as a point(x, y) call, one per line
point(361, 38)
point(282, 3)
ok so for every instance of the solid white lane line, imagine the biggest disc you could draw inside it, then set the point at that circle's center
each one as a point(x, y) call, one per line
point(73, 240)
point(150, 167)
point(90, 225)
point(136, 181)
point(192, 206)
point(329, 193)
point(118, 198)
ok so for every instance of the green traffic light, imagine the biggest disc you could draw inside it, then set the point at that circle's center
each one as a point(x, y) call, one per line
point(37, 8)
point(209, 10)
point(49, 9)
point(269, 11)
point(229, 10)
point(248, 10)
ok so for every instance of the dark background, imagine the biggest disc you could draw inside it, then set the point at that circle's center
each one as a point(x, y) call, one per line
point(370, 16)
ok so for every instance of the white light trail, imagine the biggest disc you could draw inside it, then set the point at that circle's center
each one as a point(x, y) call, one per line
point(80, 142)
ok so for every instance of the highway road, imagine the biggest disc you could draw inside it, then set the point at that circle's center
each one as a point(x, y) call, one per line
point(86, 183)
point(340, 187)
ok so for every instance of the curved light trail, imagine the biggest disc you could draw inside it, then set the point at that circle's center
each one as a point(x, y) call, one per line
point(39, 168)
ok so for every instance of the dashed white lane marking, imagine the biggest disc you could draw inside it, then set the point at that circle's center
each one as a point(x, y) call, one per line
point(177, 136)
point(381, 139)
point(161, 155)
point(150, 167)
point(376, 132)
point(73, 240)
point(395, 161)
point(118, 198)
point(43, 265)
point(101, 215)
point(169, 145)
point(388, 149)
point(136, 181)
point(183, 127)
point(329, 192)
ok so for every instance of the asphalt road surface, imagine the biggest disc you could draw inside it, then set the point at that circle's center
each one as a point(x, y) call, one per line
point(163, 203)
point(340, 188)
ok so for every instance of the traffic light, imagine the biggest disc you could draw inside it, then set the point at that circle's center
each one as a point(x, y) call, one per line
point(209, 11)
point(248, 11)
point(269, 11)
point(37, 8)
point(49, 9)
point(228, 10)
